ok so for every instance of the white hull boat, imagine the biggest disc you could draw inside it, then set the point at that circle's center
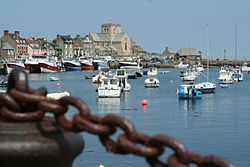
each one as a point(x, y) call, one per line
point(58, 95)
point(152, 71)
point(109, 88)
point(152, 82)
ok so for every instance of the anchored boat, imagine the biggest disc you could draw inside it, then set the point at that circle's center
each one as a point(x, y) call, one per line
point(188, 92)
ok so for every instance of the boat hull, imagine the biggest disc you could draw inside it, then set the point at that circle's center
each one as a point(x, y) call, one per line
point(11, 66)
point(33, 68)
point(109, 93)
point(46, 68)
point(72, 67)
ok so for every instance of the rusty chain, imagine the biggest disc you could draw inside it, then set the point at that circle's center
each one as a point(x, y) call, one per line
point(21, 104)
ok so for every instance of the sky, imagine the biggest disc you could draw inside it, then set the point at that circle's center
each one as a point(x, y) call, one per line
point(152, 24)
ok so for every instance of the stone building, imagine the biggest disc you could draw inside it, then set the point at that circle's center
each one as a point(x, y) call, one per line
point(111, 41)
point(188, 54)
point(65, 45)
point(13, 45)
point(168, 53)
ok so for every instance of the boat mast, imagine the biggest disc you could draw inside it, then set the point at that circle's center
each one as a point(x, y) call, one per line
point(208, 48)
point(235, 44)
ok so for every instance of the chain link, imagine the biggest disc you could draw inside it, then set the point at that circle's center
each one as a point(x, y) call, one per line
point(21, 104)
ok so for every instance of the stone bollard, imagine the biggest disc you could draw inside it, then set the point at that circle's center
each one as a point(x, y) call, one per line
point(39, 144)
point(33, 143)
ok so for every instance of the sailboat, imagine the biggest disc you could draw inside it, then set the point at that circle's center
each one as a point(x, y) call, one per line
point(206, 87)
point(237, 75)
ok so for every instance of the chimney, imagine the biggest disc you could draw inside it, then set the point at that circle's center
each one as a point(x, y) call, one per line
point(16, 33)
point(5, 32)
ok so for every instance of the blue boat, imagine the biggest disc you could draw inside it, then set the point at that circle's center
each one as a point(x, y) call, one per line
point(188, 92)
point(72, 64)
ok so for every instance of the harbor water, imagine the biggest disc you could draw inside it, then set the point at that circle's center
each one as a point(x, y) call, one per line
point(217, 124)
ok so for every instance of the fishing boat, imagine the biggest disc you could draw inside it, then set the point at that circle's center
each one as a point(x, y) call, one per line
point(13, 63)
point(48, 66)
point(32, 63)
point(188, 92)
point(87, 64)
point(129, 64)
point(109, 88)
point(152, 71)
point(122, 76)
point(72, 64)
point(151, 82)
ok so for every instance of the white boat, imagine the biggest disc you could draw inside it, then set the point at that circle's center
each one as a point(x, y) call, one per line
point(58, 95)
point(225, 76)
point(152, 71)
point(189, 75)
point(181, 65)
point(245, 67)
point(122, 76)
point(199, 67)
point(237, 75)
point(48, 66)
point(32, 63)
point(205, 87)
point(54, 78)
point(109, 88)
point(97, 79)
point(152, 82)
point(11, 64)
point(129, 64)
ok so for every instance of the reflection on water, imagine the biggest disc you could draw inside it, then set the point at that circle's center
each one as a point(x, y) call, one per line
point(108, 105)
point(188, 105)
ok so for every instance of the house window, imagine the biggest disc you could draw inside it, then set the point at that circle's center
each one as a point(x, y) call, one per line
point(66, 45)
point(126, 47)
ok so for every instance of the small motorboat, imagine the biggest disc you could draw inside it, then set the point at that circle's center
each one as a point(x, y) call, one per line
point(152, 71)
point(54, 78)
point(224, 85)
point(58, 95)
point(151, 83)
point(188, 92)
point(109, 88)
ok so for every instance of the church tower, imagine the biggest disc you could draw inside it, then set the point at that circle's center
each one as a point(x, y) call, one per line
point(111, 29)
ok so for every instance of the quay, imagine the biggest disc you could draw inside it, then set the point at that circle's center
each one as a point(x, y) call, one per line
point(170, 64)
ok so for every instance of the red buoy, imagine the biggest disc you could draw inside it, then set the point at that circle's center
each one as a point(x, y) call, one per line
point(144, 102)
point(58, 84)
